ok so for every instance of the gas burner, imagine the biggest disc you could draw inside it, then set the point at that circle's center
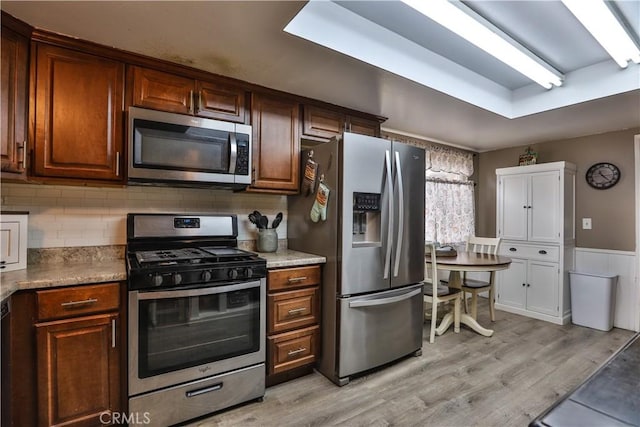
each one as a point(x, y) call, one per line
point(192, 255)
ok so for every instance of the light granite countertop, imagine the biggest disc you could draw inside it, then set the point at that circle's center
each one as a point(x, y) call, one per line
point(290, 258)
point(49, 275)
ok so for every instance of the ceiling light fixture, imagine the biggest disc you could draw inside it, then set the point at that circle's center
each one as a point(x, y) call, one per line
point(600, 21)
point(480, 32)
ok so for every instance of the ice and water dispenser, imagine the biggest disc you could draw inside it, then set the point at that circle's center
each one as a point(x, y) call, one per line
point(366, 219)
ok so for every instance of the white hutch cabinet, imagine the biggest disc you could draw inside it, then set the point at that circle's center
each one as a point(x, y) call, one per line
point(535, 219)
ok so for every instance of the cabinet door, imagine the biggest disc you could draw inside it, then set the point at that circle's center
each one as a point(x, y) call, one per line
point(321, 123)
point(511, 284)
point(78, 370)
point(512, 207)
point(162, 91)
point(363, 126)
point(222, 102)
point(542, 287)
point(79, 114)
point(276, 144)
point(544, 214)
point(13, 96)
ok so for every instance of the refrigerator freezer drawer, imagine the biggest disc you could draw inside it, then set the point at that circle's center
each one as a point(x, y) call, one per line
point(378, 328)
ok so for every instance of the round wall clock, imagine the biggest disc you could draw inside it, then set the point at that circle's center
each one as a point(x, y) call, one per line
point(603, 175)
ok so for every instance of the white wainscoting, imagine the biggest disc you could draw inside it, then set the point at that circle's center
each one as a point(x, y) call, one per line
point(623, 264)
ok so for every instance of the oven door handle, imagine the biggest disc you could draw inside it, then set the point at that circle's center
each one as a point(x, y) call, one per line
point(210, 290)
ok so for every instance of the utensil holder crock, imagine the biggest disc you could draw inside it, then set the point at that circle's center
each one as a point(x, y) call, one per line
point(267, 240)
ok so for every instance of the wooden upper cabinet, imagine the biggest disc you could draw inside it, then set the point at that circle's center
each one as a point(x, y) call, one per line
point(276, 144)
point(14, 101)
point(78, 115)
point(363, 126)
point(321, 124)
point(168, 92)
point(162, 91)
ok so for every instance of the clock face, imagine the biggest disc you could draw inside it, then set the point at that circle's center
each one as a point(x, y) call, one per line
point(603, 175)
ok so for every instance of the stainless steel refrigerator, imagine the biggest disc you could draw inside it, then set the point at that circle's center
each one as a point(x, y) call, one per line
point(373, 239)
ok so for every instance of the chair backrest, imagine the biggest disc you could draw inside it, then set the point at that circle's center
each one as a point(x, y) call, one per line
point(485, 245)
point(431, 270)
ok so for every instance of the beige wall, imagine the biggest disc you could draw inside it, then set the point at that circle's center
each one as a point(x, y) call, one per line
point(612, 211)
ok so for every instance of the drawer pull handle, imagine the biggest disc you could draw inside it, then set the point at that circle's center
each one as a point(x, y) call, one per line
point(512, 249)
point(204, 390)
point(72, 304)
point(296, 311)
point(296, 279)
point(3, 262)
point(542, 252)
point(298, 351)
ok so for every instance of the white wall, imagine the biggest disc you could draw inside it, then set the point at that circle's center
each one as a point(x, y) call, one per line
point(623, 264)
point(62, 216)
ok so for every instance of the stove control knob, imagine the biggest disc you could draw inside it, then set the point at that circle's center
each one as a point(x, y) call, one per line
point(206, 276)
point(156, 280)
point(248, 272)
point(177, 279)
point(233, 274)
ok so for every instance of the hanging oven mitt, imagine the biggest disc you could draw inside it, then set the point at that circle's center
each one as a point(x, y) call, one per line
point(310, 173)
point(319, 208)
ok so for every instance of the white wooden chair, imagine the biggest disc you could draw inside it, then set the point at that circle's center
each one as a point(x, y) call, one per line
point(485, 245)
point(435, 293)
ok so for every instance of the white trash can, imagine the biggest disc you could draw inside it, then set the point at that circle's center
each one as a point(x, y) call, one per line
point(592, 299)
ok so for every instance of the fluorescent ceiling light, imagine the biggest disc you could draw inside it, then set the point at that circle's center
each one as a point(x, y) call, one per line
point(488, 38)
point(598, 19)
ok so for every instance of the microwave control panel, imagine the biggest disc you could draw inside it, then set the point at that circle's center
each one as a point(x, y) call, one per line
point(242, 161)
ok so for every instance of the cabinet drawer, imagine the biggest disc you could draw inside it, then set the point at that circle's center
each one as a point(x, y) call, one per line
point(293, 309)
point(292, 349)
point(79, 300)
point(542, 253)
point(290, 278)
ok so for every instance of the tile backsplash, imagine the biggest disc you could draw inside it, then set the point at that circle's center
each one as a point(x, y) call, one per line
point(64, 216)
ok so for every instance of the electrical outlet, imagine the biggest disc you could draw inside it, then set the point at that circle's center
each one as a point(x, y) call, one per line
point(586, 223)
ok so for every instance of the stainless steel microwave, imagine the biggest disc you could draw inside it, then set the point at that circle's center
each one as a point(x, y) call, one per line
point(175, 149)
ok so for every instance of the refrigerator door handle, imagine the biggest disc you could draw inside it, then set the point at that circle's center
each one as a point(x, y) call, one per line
point(387, 258)
point(400, 214)
point(384, 301)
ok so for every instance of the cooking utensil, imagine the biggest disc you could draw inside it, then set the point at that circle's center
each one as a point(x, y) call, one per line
point(253, 218)
point(263, 222)
point(276, 222)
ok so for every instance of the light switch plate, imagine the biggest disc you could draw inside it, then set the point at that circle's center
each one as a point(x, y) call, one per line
point(586, 223)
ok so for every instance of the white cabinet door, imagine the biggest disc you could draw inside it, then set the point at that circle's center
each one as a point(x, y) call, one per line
point(542, 287)
point(9, 243)
point(544, 207)
point(511, 284)
point(512, 207)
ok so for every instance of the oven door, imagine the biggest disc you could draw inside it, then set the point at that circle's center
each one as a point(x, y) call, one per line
point(182, 335)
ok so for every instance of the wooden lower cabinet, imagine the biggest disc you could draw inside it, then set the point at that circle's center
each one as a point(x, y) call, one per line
point(78, 370)
point(65, 358)
point(293, 317)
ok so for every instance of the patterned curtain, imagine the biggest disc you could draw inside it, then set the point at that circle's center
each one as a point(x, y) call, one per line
point(449, 215)
point(449, 206)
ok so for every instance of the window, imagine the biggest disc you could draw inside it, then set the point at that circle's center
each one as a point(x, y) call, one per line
point(449, 203)
point(449, 191)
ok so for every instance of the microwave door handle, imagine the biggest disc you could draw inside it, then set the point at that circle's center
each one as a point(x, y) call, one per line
point(233, 152)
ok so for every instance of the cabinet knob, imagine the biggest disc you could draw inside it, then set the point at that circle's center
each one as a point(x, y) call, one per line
point(542, 252)
point(524, 284)
point(528, 285)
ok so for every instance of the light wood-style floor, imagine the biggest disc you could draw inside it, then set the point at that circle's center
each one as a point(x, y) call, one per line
point(461, 380)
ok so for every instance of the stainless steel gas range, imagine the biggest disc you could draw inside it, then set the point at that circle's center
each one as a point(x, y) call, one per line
point(196, 317)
